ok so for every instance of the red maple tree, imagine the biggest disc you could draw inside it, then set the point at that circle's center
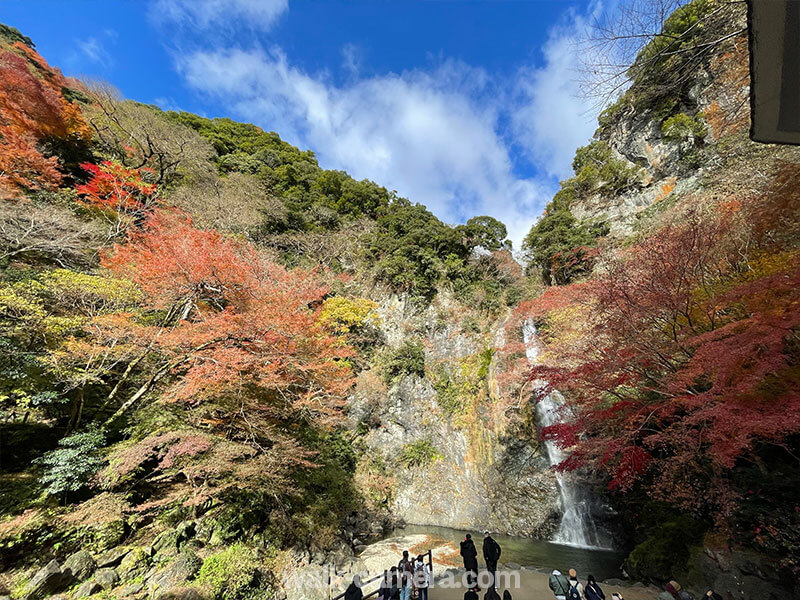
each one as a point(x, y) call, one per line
point(242, 342)
point(112, 186)
point(32, 110)
point(687, 361)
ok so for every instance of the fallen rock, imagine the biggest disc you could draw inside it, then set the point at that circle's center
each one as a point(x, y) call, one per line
point(107, 577)
point(181, 593)
point(186, 530)
point(179, 571)
point(130, 590)
point(134, 563)
point(80, 565)
point(110, 534)
point(112, 557)
point(87, 588)
point(47, 581)
point(166, 544)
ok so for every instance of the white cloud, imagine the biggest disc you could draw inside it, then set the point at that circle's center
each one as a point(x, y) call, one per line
point(418, 132)
point(552, 119)
point(202, 14)
point(94, 50)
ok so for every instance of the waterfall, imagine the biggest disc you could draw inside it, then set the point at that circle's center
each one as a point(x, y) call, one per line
point(577, 527)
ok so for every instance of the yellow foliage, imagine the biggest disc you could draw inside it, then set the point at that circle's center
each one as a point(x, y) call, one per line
point(341, 315)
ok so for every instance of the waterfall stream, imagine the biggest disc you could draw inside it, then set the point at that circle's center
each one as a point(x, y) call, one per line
point(577, 527)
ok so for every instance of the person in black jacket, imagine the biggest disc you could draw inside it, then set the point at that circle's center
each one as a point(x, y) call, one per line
point(592, 591)
point(491, 554)
point(470, 555)
point(353, 591)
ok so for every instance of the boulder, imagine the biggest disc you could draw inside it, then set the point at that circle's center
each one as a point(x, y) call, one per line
point(87, 588)
point(107, 577)
point(110, 534)
point(47, 581)
point(178, 572)
point(181, 593)
point(112, 557)
point(186, 530)
point(130, 590)
point(166, 544)
point(134, 563)
point(80, 565)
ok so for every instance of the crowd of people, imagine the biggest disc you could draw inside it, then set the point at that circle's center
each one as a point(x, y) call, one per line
point(411, 578)
point(408, 580)
point(572, 589)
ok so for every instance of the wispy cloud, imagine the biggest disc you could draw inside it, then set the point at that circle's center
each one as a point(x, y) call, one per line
point(444, 136)
point(94, 50)
point(417, 132)
point(203, 14)
point(552, 118)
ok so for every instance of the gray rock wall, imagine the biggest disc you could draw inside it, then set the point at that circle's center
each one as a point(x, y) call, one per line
point(487, 476)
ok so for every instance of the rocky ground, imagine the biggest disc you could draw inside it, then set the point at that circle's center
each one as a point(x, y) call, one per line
point(532, 585)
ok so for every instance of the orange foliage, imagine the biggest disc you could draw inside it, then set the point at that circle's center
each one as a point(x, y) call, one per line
point(247, 338)
point(32, 110)
point(116, 188)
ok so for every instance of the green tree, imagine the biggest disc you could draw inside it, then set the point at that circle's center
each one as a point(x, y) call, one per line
point(72, 465)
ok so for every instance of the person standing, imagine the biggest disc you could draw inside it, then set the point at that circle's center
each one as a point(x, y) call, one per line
point(422, 577)
point(593, 591)
point(353, 591)
point(406, 569)
point(559, 585)
point(470, 555)
point(575, 586)
point(491, 554)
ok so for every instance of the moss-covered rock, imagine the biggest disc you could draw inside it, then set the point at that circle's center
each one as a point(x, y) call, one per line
point(666, 551)
point(134, 564)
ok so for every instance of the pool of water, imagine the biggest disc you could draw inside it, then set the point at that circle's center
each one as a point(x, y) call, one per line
point(539, 554)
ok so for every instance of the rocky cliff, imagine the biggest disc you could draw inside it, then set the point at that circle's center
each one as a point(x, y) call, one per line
point(450, 459)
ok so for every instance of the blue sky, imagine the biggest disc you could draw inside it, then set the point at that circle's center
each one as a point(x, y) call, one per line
point(468, 107)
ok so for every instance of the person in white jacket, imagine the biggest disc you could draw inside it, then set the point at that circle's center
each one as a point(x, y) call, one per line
point(575, 587)
point(422, 577)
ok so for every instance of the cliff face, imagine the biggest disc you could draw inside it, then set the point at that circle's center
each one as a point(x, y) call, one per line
point(672, 139)
point(450, 459)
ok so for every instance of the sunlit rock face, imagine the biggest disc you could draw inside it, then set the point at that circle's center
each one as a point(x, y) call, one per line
point(482, 476)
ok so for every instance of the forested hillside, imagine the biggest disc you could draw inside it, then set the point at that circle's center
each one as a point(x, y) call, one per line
point(185, 306)
point(224, 365)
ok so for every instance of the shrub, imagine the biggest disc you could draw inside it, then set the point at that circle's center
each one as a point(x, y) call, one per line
point(596, 168)
point(419, 453)
point(343, 315)
point(71, 466)
point(231, 573)
point(408, 359)
point(681, 127)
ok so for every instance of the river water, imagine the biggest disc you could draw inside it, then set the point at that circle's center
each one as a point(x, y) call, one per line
point(539, 554)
